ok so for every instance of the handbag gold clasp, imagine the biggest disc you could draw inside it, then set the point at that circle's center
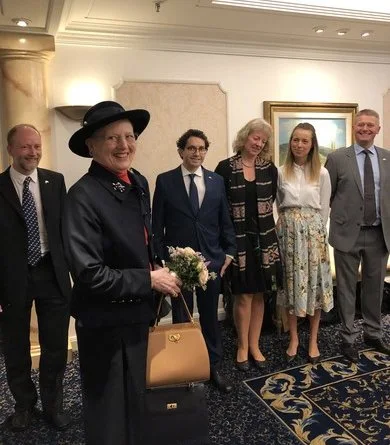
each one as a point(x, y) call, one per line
point(174, 337)
point(171, 406)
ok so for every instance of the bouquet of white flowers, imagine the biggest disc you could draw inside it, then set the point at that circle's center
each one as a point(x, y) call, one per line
point(190, 267)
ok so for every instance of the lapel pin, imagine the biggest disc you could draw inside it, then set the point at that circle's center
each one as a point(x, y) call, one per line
point(46, 181)
point(118, 187)
point(383, 159)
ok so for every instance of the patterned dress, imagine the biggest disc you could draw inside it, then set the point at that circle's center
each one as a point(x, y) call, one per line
point(257, 266)
point(303, 212)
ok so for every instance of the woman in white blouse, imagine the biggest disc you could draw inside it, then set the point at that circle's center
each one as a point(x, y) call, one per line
point(303, 204)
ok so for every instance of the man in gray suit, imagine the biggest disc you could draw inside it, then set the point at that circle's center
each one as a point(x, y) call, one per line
point(360, 230)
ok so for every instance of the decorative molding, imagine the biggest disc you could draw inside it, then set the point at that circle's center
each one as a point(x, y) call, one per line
point(173, 81)
point(53, 18)
point(307, 8)
point(36, 46)
point(299, 50)
point(82, 29)
point(26, 55)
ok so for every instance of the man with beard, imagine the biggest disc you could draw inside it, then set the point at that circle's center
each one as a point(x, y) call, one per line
point(190, 209)
point(33, 268)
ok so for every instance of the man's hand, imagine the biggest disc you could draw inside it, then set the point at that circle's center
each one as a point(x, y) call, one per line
point(228, 260)
point(165, 282)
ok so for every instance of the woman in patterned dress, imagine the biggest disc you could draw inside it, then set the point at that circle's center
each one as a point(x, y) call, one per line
point(303, 204)
point(251, 182)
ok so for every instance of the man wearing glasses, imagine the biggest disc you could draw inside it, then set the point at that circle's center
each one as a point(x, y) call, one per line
point(190, 209)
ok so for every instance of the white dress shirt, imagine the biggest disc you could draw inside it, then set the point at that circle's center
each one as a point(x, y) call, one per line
point(198, 179)
point(299, 192)
point(18, 180)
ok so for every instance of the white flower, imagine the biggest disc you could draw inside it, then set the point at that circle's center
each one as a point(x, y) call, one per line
point(190, 266)
point(188, 251)
point(203, 276)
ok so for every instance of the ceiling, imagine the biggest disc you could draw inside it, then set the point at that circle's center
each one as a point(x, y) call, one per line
point(201, 26)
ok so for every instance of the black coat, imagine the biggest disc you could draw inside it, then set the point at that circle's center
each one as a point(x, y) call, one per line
point(13, 237)
point(104, 232)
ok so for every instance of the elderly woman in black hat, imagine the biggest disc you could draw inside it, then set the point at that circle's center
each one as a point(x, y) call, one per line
point(108, 245)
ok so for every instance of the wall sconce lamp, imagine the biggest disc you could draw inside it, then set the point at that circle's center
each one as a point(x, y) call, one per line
point(73, 112)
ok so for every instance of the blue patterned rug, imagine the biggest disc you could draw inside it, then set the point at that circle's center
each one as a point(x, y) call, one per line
point(239, 418)
point(333, 402)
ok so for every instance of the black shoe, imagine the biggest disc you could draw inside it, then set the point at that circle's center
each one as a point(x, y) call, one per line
point(19, 420)
point(259, 364)
point(220, 382)
point(243, 366)
point(377, 344)
point(350, 352)
point(290, 358)
point(58, 420)
point(314, 360)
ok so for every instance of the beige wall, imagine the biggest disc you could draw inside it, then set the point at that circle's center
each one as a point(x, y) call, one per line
point(246, 81)
point(174, 108)
point(386, 119)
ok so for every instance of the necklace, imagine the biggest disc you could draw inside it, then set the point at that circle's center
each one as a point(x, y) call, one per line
point(245, 165)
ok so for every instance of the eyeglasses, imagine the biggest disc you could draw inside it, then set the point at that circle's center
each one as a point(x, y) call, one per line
point(365, 124)
point(115, 140)
point(192, 149)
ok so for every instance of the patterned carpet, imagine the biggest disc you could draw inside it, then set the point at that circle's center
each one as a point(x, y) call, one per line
point(239, 418)
point(332, 402)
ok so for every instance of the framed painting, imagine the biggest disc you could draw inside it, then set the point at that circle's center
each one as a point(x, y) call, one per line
point(332, 121)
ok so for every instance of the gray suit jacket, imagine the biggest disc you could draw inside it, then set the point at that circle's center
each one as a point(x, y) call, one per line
point(346, 201)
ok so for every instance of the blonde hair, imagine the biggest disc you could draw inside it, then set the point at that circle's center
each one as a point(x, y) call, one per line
point(367, 112)
point(252, 126)
point(313, 162)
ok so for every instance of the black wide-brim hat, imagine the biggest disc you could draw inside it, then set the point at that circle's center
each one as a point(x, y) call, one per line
point(99, 116)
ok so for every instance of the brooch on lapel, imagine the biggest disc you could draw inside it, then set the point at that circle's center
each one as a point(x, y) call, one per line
point(118, 187)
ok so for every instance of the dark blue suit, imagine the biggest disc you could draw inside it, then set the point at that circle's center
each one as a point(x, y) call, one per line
point(210, 232)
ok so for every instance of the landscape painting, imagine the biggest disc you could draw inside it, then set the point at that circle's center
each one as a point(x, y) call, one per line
point(333, 124)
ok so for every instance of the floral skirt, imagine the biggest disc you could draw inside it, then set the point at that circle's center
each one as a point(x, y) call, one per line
point(307, 275)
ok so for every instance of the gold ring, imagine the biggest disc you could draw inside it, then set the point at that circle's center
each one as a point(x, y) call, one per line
point(173, 273)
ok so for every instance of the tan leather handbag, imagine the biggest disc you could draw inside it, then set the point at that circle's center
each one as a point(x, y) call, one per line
point(177, 353)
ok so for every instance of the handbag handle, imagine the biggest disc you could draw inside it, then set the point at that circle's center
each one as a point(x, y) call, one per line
point(190, 317)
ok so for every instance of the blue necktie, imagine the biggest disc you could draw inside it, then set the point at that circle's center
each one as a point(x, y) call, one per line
point(194, 198)
point(30, 216)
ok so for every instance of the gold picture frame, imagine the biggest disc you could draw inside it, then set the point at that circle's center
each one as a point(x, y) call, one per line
point(332, 121)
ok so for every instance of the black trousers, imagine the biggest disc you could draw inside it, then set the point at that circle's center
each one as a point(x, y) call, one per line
point(52, 310)
point(113, 370)
point(207, 301)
